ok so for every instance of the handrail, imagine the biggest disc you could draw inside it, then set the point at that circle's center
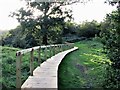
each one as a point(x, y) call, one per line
point(52, 48)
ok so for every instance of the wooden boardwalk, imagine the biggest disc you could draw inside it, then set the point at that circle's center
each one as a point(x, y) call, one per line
point(46, 75)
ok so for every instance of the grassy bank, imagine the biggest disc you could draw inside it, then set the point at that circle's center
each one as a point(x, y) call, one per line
point(8, 66)
point(84, 68)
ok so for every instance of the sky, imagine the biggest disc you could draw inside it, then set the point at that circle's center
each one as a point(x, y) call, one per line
point(93, 10)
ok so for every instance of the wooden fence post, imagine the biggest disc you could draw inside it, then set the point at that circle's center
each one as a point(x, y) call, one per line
point(18, 70)
point(58, 48)
point(53, 50)
point(50, 50)
point(62, 47)
point(39, 60)
point(45, 53)
point(31, 62)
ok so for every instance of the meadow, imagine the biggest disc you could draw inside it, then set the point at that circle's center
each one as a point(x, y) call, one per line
point(84, 68)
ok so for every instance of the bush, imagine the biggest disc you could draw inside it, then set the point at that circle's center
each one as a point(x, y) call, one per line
point(110, 35)
point(112, 78)
point(89, 29)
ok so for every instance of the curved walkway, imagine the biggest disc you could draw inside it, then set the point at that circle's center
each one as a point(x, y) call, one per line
point(45, 75)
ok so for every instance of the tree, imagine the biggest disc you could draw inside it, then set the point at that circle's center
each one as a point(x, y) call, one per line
point(17, 38)
point(69, 28)
point(89, 29)
point(51, 14)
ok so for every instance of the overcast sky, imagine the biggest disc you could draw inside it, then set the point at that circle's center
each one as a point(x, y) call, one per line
point(95, 9)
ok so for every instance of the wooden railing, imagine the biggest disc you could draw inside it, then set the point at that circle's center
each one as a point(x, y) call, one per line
point(54, 49)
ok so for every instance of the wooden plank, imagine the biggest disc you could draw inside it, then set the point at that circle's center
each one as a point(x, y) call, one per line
point(45, 76)
point(28, 50)
point(31, 62)
point(39, 57)
point(37, 47)
point(18, 70)
point(45, 53)
point(50, 50)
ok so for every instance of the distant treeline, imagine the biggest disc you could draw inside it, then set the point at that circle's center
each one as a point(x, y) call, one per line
point(71, 32)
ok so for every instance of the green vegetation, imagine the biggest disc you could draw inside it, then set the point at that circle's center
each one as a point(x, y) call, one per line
point(93, 65)
point(8, 66)
point(47, 23)
point(84, 68)
point(8, 79)
point(71, 32)
point(110, 35)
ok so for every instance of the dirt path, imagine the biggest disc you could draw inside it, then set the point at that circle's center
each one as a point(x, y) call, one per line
point(84, 70)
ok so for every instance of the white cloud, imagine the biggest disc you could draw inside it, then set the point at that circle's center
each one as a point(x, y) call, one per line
point(95, 9)
point(7, 6)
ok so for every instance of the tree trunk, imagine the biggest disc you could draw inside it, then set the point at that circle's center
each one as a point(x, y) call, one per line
point(45, 39)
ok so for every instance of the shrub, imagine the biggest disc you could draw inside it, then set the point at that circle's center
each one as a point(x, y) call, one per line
point(89, 29)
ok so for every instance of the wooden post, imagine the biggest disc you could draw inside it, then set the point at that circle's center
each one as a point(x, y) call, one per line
point(39, 60)
point(67, 46)
point(45, 53)
point(62, 47)
point(31, 62)
point(18, 70)
point(50, 51)
point(53, 50)
point(58, 48)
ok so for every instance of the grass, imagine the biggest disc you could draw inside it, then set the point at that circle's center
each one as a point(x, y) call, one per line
point(8, 79)
point(8, 66)
point(84, 68)
point(80, 69)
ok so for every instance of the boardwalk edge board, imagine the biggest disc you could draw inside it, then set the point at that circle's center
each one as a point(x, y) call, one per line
point(45, 75)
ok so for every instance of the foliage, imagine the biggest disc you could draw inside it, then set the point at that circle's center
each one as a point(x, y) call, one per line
point(69, 28)
point(71, 32)
point(112, 78)
point(111, 39)
point(18, 38)
point(89, 29)
point(8, 67)
point(84, 68)
point(50, 15)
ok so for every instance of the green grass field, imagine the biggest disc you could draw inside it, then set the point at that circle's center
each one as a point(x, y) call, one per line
point(84, 68)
